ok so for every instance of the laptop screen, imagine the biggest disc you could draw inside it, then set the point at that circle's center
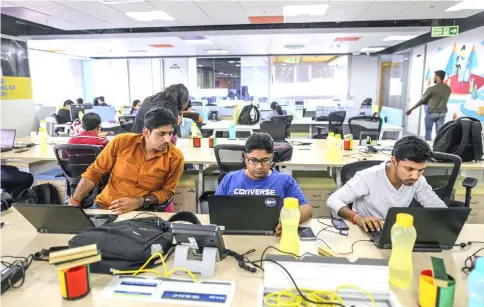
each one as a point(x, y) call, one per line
point(7, 138)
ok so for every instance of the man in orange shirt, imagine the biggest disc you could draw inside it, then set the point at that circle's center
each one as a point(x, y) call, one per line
point(145, 168)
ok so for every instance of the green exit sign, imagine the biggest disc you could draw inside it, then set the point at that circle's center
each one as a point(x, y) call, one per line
point(445, 31)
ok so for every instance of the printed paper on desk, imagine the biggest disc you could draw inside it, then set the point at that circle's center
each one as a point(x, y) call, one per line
point(170, 291)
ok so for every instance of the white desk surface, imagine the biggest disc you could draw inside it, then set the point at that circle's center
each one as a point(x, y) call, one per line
point(41, 287)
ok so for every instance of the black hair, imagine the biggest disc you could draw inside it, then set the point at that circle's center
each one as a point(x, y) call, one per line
point(136, 102)
point(188, 106)
point(91, 121)
point(94, 102)
point(176, 94)
point(259, 140)
point(277, 107)
point(68, 102)
point(101, 98)
point(412, 148)
point(156, 118)
point(80, 100)
point(440, 74)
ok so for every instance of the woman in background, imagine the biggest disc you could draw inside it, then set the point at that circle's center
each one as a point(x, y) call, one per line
point(135, 107)
point(277, 110)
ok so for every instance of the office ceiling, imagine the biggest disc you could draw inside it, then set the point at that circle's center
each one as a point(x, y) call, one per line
point(81, 15)
point(237, 43)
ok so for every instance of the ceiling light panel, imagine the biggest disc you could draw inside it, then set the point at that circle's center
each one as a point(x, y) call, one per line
point(311, 10)
point(150, 16)
point(399, 38)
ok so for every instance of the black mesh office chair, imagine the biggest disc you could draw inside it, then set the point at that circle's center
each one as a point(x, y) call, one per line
point(348, 171)
point(336, 120)
point(126, 122)
point(283, 119)
point(197, 104)
point(74, 160)
point(366, 124)
point(229, 157)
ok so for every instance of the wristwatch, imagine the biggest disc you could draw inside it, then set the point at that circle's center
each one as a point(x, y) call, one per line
point(146, 203)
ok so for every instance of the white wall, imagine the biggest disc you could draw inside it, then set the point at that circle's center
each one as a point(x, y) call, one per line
point(416, 74)
point(364, 81)
point(19, 115)
point(140, 78)
point(108, 78)
point(175, 70)
point(55, 77)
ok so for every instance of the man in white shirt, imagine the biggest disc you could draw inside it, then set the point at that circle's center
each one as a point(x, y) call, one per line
point(393, 183)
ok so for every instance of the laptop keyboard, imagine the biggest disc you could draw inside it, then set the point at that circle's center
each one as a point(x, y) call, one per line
point(375, 235)
point(102, 219)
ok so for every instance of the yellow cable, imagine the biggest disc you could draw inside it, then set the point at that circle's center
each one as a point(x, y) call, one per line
point(165, 271)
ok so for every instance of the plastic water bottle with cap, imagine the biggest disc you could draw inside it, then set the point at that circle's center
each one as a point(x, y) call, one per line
point(403, 236)
point(329, 145)
point(232, 131)
point(290, 221)
point(337, 145)
point(475, 284)
point(43, 137)
point(194, 129)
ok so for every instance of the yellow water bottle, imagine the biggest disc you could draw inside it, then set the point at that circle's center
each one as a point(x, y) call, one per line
point(43, 137)
point(338, 151)
point(329, 145)
point(290, 221)
point(403, 239)
point(194, 129)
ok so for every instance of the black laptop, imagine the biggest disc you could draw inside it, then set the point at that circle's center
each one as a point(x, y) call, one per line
point(7, 139)
point(61, 219)
point(437, 228)
point(245, 215)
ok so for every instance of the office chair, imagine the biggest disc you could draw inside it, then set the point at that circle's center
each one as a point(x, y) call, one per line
point(74, 160)
point(283, 119)
point(229, 157)
point(197, 104)
point(443, 185)
point(336, 120)
point(61, 128)
point(126, 122)
point(359, 124)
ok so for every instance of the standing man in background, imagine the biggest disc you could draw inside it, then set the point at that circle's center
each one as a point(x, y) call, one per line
point(436, 97)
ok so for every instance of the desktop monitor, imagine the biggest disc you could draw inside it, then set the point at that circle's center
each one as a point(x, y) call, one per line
point(7, 138)
point(76, 108)
point(107, 113)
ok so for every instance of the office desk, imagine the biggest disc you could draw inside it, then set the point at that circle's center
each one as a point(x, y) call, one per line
point(41, 284)
point(224, 125)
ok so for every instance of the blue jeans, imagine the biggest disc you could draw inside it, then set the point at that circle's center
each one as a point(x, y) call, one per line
point(95, 206)
point(430, 119)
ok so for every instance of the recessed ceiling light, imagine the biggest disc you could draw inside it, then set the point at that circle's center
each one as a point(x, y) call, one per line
point(467, 5)
point(399, 38)
point(293, 46)
point(356, 53)
point(150, 16)
point(372, 49)
point(196, 40)
point(231, 62)
point(199, 65)
point(238, 65)
point(109, 2)
point(312, 10)
point(216, 51)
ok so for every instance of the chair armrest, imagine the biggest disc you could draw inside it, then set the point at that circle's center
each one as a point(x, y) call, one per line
point(59, 175)
point(469, 182)
point(320, 128)
point(163, 206)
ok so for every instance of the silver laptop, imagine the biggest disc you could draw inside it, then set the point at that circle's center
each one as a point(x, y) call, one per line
point(7, 138)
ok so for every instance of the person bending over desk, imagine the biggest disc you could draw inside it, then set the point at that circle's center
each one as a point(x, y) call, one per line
point(145, 168)
point(91, 123)
point(393, 183)
point(259, 179)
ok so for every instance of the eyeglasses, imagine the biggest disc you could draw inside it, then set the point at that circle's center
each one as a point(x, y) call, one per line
point(263, 162)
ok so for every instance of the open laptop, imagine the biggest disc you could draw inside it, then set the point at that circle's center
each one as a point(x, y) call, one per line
point(245, 215)
point(437, 228)
point(60, 218)
point(7, 138)
point(277, 131)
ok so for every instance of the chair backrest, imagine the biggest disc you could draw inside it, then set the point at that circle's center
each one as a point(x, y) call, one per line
point(229, 157)
point(127, 122)
point(285, 119)
point(336, 120)
point(443, 185)
point(360, 124)
point(75, 159)
point(276, 130)
point(348, 171)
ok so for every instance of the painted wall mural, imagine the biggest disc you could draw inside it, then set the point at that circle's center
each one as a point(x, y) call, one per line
point(464, 67)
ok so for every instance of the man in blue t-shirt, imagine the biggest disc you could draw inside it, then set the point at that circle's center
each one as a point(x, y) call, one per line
point(259, 179)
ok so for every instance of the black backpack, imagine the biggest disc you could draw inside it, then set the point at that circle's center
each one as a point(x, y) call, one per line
point(45, 194)
point(246, 116)
point(282, 152)
point(461, 137)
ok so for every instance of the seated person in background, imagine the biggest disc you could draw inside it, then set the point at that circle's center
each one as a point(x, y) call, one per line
point(185, 126)
point(101, 102)
point(259, 179)
point(276, 110)
point(80, 101)
point(135, 107)
point(393, 183)
point(64, 113)
point(145, 168)
point(91, 123)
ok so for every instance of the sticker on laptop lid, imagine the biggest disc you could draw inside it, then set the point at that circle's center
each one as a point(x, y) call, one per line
point(270, 202)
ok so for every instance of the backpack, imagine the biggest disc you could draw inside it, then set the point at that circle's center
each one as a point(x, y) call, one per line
point(282, 152)
point(128, 244)
point(461, 137)
point(45, 193)
point(245, 117)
